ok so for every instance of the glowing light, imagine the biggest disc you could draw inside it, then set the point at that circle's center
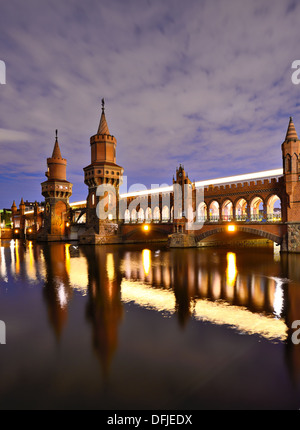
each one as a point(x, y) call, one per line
point(110, 266)
point(67, 224)
point(231, 228)
point(231, 271)
point(266, 174)
point(17, 267)
point(247, 177)
point(68, 257)
point(220, 313)
point(62, 296)
point(16, 231)
point(146, 227)
point(146, 254)
point(30, 230)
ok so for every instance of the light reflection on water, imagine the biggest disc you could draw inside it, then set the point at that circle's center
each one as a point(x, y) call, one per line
point(161, 280)
point(243, 291)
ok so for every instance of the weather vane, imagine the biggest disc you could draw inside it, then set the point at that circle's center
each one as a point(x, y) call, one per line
point(103, 104)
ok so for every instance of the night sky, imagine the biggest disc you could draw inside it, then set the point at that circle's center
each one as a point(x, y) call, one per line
point(202, 83)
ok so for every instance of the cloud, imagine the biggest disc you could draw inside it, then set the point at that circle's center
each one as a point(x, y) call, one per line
point(205, 83)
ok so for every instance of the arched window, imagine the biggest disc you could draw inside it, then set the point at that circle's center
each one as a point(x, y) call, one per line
point(241, 210)
point(288, 163)
point(165, 214)
point(202, 212)
point(127, 216)
point(148, 215)
point(156, 214)
point(257, 209)
point(133, 215)
point(227, 211)
point(141, 215)
point(214, 211)
point(274, 208)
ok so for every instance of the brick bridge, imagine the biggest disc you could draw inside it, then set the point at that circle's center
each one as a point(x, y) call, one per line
point(263, 205)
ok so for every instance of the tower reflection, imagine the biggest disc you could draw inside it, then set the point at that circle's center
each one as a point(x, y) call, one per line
point(57, 291)
point(104, 308)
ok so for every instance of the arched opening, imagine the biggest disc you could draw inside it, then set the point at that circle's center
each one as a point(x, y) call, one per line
point(257, 209)
point(288, 164)
point(148, 215)
point(127, 216)
point(165, 214)
point(133, 215)
point(156, 214)
point(214, 211)
point(227, 210)
point(202, 212)
point(141, 215)
point(241, 210)
point(274, 208)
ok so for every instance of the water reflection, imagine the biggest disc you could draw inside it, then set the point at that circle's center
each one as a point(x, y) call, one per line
point(57, 290)
point(250, 292)
point(105, 308)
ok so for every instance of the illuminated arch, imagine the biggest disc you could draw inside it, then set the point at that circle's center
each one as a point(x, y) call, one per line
point(127, 216)
point(227, 210)
point(148, 215)
point(274, 208)
point(202, 212)
point(214, 213)
point(257, 209)
point(133, 215)
point(165, 214)
point(241, 210)
point(141, 215)
point(156, 214)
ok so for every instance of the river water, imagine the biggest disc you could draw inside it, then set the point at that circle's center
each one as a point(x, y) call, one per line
point(147, 327)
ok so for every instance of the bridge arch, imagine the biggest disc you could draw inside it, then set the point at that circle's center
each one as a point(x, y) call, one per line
point(241, 209)
point(214, 210)
point(127, 215)
point(148, 214)
point(202, 212)
point(165, 213)
point(133, 215)
point(254, 231)
point(227, 209)
point(141, 215)
point(273, 205)
point(156, 214)
point(257, 208)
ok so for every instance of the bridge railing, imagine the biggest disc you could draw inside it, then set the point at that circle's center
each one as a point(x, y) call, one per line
point(274, 217)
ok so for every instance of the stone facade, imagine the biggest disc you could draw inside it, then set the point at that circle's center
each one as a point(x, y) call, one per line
point(56, 191)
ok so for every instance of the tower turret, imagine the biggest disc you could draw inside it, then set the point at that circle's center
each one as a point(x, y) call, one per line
point(102, 219)
point(290, 156)
point(57, 191)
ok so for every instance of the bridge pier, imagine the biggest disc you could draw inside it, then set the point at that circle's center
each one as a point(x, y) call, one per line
point(182, 240)
point(291, 241)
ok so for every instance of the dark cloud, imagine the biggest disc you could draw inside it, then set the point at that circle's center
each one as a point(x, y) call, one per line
point(205, 83)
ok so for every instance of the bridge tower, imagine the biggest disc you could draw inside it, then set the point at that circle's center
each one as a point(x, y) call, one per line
point(103, 176)
point(56, 191)
point(184, 209)
point(291, 170)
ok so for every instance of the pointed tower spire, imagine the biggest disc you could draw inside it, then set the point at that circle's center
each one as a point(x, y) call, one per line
point(291, 131)
point(56, 151)
point(103, 127)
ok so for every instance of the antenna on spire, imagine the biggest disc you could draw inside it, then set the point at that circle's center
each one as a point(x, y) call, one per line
point(56, 131)
point(103, 105)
